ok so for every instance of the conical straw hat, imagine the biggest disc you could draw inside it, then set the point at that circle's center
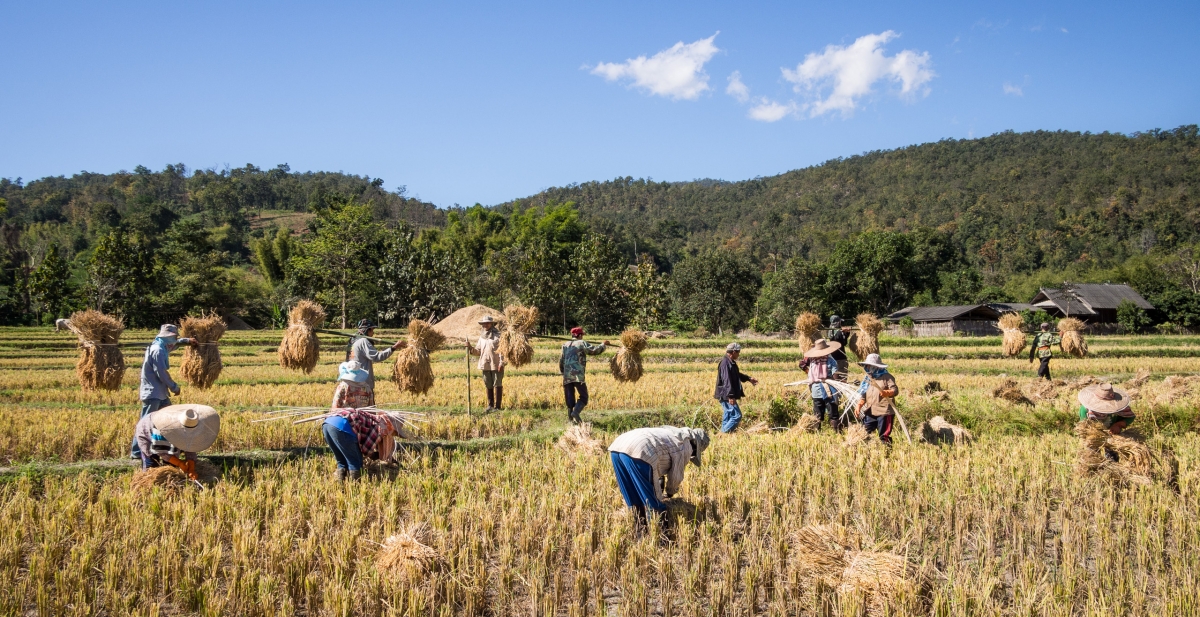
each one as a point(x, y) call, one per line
point(191, 428)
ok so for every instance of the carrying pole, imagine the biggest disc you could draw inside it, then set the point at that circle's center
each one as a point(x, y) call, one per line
point(468, 353)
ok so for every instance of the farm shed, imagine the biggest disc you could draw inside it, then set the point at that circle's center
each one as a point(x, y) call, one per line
point(972, 319)
point(1089, 302)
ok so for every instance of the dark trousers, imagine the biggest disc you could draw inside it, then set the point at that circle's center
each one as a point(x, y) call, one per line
point(1044, 368)
point(881, 425)
point(574, 405)
point(149, 405)
point(344, 446)
point(828, 405)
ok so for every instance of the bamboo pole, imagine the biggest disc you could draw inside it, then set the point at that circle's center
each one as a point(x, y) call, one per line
point(468, 353)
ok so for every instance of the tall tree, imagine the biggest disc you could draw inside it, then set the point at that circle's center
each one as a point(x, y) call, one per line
point(50, 283)
point(715, 289)
point(339, 261)
point(123, 277)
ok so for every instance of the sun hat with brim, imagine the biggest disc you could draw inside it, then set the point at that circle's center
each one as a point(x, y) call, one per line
point(733, 347)
point(167, 331)
point(191, 428)
point(351, 371)
point(1103, 398)
point(699, 437)
point(873, 360)
point(486, 319)
point(822, 347)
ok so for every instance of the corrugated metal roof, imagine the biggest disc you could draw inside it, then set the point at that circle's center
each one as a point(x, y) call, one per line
point(945, 313)
point(1012, 307)
point(1095, 296)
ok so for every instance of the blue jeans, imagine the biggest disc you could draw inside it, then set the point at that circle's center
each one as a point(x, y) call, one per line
point(731, 416)
point(636, 480)
point(149, 405)
point(344, 446)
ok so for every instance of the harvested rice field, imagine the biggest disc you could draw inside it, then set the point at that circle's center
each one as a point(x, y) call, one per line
point(486, 515)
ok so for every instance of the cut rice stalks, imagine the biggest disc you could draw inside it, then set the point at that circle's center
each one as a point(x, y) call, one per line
point(578, 439)
point(202, 364)
point(938, 431)
point(626, 365)
point(1014, 336)
point(1137, 463)
point(101, 365)
point(412, 371)
point(867, 341)
point(171, 478)
point(807, 326)
point(1071, 332)
point(834, 557)
point(519, 323)
point(300, 348)
point(407, 554)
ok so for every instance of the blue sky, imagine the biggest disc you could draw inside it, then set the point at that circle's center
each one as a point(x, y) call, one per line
point(484, 102)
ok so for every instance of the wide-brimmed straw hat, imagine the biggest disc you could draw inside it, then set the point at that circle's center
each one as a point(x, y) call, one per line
point(191, 428)
point(822, 347)
point(1103, 398)
point(352, 371)
point(873, 360)
point(486, 319)
point(168, 330)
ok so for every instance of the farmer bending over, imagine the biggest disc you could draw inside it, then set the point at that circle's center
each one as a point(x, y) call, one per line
point(729, 388)
point(876, 407)
point(573, 366)
point(641, 459)
point(352, 391)
point(491, 363)
point(357, 434)
point(1107, 405)
point(173, 435)
point(156, 383)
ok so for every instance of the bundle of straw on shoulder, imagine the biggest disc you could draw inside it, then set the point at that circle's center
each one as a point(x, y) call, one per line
point(202, 364)
point(807, 326)
point(300, 348)
point(626, 365)
point(1071, 332)
point(1014, 337)
point(519, 323)
point(412, 371)
point(101, 364)
point(867, 341)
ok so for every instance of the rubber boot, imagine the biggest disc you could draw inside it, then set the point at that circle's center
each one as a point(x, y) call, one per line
point(354, 475)
point(340, 474)
point(491, 397)
point(499, 398)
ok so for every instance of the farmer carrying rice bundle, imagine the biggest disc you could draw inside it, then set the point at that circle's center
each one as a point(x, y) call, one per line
point(642, 457)
point(173, 435)
point(729, 388)
point(876, 405)
point(839, 333)
point(491, 362)
point(360, 350)
point(573, 366)
point(156, 385)
point(1042, 343)
point(822, 367)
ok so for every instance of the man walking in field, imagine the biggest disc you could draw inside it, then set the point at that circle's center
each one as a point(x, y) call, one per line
point(729, 388)
point(573, 366)
point(363, 352)
point(491, 363)
point(156, 385)
point(1042, 343)
point(840, 334)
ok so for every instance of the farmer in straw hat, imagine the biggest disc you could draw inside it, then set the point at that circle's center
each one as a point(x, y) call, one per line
point(360, 350)
point(821, 367)
point(356, 434)
point(877, 392)
point(352, 391)
point(641, 458)
point(1107, 405)
point(839, 333)
point(173, 435)
point(491, 363)
point(1042, 343)
point(729, 388)
point(573, 366)
point(156, 384)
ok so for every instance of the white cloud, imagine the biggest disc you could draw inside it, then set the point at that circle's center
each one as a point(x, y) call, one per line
point(1064, 30)
point(850, 72)
point(676, 73)
point(767, 110)
point(736, 88)
point(1013, 90)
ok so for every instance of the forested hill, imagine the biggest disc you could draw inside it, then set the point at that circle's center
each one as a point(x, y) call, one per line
point(1014, 202)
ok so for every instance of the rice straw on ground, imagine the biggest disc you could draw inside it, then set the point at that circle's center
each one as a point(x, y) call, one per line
point(578, 439)
point(938, 431)
point(407, 553)
point(172, 478)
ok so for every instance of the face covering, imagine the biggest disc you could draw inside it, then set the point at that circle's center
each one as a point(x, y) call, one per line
point(876, 373)
point(169, 342)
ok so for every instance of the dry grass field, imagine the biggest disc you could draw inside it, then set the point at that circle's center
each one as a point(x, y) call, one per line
point(518, 526)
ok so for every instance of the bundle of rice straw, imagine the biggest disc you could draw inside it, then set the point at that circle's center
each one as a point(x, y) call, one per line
point(807, 326)
point(101, 364)
point(1009, 392)
point(1142, 376)
point(300, 348)
point(1136, 462)
point(1173, 389)
point(1014, 337)
point(407, 553)
point(172, 478)
point(1041, 390)
point(833, 556)
point(807, 423)
point(412, 371)
point(1071, 332)
point(578, 439)
point(626, 365)
point(519, 323)
point(202, 364)
point(856, 434)
point(758, 428)
point(867, 341)
point(938, 431)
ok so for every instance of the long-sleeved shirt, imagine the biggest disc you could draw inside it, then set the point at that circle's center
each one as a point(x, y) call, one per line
point(151, 444)
point(1042, 342)
point(729, 380)
point(363, 352)
point(872, 392)
point(350, 395)
point(488, 351)
point(573, 361)
point(666, 449)
point(820, 390)
point(156, 383)
point(369, 428)
point(837, 336)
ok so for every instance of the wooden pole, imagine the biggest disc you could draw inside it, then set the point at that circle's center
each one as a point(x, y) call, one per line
point(468, 352)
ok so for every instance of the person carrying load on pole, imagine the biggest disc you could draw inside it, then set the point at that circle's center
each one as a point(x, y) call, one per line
point(641, 458)
point(877, 392)
point(1042, 342)
point(839, 333)
point(822, 366)
point(352, 391)
point(573, 366)
point(729, 388)
point(174, 435)
point(156, 385)
point(360, 350)
point(491, 362)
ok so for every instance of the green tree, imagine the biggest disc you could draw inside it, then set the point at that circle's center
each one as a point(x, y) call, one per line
point(599, 286)
point(339, 261)
point(123, 277)
point(797, 287)
point(872, 271)
point(649, 295)
point(716, 289)
point(193, 274)
point(419, 279)
point(1131, 317)
point(50, 284)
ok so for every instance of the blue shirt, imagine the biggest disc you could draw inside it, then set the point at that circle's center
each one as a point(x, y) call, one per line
point(340, 423)
point(866, 383)
point(820, 390)
point(156, 383)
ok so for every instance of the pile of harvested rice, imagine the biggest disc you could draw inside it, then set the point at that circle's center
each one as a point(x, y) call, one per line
point(578, 439)
point(833, 557)
point(933, 386)
point(412, 371)
point(867, 341)
point(808, 423)
point(462, 326)
point(626, 365)
point(1014, 337)
point(172, 478)
point(1041, 390)
point(202, 364)
point(407, 553)
point(807, 326)
point(938, 431)
point(856, 434)
point(1071, 332)
point(1010, 392)
point(101, 364)
point(300, 349)
point(519, 323)
point(1139, 379)
point(1137, 463)
point(758, 428)
point(1174, 388)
